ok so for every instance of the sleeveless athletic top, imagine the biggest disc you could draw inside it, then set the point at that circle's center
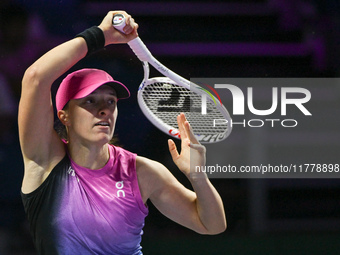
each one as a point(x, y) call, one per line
point(81, 211)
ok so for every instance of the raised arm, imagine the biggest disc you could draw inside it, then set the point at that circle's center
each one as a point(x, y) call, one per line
point(200, 210)
point(35, 109)
point(40, 145)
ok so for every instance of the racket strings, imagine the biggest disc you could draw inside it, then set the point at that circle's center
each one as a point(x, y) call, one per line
point(167, 100)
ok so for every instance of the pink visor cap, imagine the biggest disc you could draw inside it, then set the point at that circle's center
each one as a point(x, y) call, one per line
point(83, 82)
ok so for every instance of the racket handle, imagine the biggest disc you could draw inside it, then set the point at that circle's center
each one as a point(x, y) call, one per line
point(137, 46)
point(140, 50)
point(118, 22)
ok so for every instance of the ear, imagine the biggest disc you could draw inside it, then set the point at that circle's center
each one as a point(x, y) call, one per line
point(63, 117)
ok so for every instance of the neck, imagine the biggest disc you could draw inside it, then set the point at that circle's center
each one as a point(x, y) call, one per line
point(93, 157)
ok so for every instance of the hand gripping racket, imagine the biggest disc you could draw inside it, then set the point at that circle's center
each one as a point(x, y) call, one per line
point(161, 99)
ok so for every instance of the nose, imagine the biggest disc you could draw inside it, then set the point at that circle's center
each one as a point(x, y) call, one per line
point(103, 113)
point(104, 109)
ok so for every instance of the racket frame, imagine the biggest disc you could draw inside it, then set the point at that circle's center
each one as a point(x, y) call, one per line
point(145, 56)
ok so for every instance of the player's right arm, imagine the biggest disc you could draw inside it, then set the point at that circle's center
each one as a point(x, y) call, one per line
point(41, 147)
point(40, 144)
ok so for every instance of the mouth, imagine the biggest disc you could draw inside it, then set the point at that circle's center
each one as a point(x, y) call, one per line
point(102, 124)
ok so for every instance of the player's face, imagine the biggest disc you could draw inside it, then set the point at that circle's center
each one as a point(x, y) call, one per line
point(92, 119)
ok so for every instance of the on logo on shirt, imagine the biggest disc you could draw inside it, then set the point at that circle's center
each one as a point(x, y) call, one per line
point(120, 191)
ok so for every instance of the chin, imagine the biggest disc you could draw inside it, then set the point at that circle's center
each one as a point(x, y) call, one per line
point(103, 140)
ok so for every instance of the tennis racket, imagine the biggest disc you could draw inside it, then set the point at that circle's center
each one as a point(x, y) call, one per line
point(161, 99)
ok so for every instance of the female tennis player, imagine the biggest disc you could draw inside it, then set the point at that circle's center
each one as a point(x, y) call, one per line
point(81, 194)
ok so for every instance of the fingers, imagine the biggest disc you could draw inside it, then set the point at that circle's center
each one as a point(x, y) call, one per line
point(114, 36)
point(191, 134)
point(131, 25)
point(173, 149)
point(198, 147)
point(185, 129)
point(181, 126)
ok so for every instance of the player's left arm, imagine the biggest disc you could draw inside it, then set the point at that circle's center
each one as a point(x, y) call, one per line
point(200, 210)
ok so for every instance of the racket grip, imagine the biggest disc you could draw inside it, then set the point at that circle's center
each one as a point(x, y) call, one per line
point(140, 50)
point(118, 22)
point(137, 46)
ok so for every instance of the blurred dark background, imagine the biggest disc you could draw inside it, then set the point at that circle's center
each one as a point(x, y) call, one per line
point(244, 38)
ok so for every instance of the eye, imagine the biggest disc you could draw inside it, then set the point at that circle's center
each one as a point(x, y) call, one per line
point(89, 101)
point(112, 101)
